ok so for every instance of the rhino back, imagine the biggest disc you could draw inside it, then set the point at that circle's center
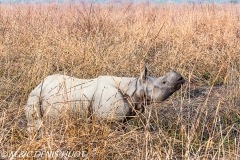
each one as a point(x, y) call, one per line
point(60, 92)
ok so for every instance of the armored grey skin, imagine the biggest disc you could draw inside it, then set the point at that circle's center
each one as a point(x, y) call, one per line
point(106, 97)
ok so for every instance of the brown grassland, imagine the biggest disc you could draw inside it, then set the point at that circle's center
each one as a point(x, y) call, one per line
point(202, 42)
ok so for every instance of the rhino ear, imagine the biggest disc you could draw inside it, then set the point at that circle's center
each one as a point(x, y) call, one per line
point(143, 76)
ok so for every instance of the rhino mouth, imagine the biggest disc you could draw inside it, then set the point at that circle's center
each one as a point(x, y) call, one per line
point(179, 83)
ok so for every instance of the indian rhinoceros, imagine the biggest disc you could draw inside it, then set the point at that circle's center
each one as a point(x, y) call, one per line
point(106, 97)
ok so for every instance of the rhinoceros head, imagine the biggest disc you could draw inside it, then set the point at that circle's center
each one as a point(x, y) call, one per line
point(159, 89)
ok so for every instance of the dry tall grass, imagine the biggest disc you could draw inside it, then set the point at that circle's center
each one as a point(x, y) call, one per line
point(202, 42)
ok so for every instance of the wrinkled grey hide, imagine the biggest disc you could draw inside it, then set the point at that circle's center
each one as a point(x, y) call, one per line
point(105, 97)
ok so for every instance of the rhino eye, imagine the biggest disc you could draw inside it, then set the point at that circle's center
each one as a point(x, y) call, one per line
point(164, 82)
